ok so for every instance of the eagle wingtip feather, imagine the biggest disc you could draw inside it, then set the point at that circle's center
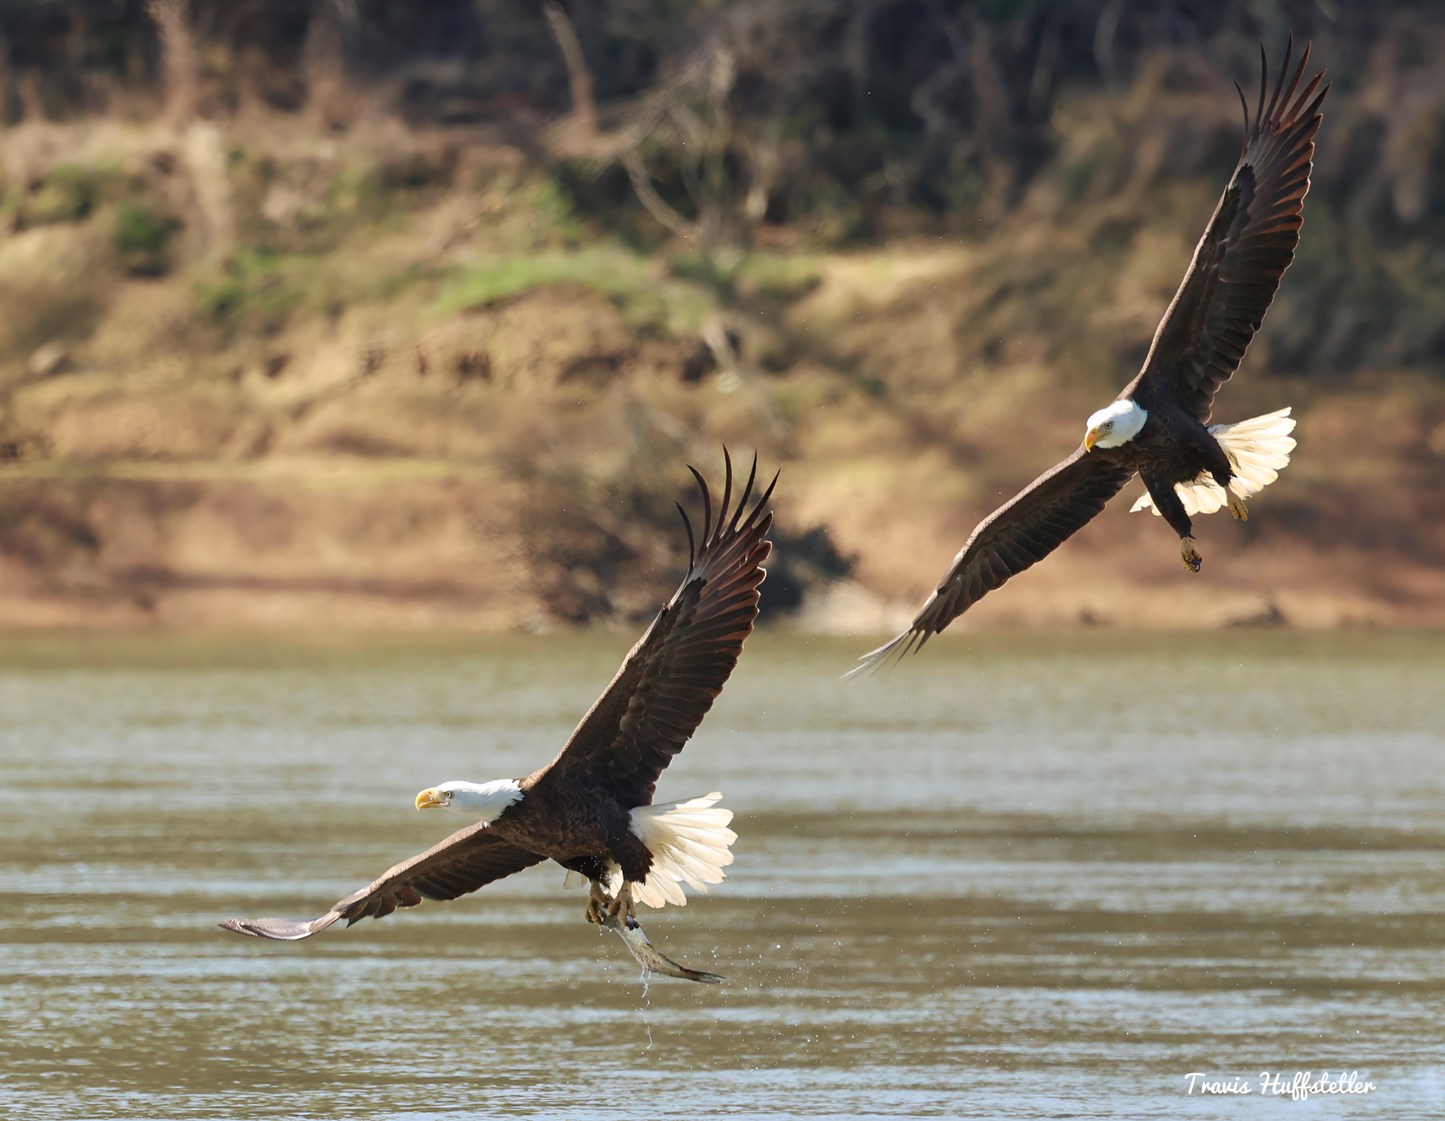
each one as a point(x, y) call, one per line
point(871, 662)
point(722, 514)
point(706, 504)
point(691, 541)
point(743, 498)
point(284, 930)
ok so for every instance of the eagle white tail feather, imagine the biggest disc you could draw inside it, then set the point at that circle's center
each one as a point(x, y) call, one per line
point(1258, 450)
point(689, 844)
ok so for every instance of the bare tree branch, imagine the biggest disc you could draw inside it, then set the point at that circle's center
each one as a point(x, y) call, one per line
point(180, 61)
point(584, 108)
point(656, 205)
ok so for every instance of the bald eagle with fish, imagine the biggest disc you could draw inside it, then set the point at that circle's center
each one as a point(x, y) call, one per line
point(1158, 427)
point(591, 808)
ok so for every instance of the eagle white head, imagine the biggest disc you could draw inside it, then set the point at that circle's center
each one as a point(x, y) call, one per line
point(1114, 424)
point(485, 800)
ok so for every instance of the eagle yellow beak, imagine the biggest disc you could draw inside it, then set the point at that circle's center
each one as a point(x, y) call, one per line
point(429, 798)
point(1090, 438)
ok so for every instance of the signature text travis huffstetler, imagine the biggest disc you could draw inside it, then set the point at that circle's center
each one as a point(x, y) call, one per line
point(1300, 1087)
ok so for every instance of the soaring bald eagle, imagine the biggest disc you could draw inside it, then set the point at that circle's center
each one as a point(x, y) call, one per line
point(590, 809)
point(1157, 426)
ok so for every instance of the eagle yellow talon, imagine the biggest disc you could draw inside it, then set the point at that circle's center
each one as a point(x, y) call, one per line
point(622, 905)
point(1237, 507)
point(1192, 559)
point(597, 903)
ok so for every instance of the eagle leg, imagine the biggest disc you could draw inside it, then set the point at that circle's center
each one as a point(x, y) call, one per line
point(622, 905)
point(1192, 559)
point(597, 904)
point(1237, 506)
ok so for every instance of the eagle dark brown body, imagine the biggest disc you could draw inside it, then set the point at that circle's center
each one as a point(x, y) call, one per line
point(580, 827)
point(1158, 427)
point(1173, 447)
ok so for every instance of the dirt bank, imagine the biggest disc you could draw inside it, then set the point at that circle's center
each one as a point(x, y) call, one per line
point(392, 380)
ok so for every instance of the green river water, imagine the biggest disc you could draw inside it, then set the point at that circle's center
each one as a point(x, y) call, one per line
point(1019, 876)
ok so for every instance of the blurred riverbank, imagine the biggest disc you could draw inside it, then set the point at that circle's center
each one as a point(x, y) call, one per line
point(261, 369)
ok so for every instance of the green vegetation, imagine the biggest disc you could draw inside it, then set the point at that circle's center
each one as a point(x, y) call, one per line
point(253, 293)
point(608, 269)
point(66, 194)
point(142, 237)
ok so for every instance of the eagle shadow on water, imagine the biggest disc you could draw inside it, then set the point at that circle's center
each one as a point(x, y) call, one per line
point(590, 809)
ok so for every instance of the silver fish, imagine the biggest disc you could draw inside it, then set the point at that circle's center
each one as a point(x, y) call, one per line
point(649, 957)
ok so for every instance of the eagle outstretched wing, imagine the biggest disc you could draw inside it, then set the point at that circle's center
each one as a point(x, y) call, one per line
point(470, 858)
point(671, 677)
point(1023, 531)
point(1245, 250)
